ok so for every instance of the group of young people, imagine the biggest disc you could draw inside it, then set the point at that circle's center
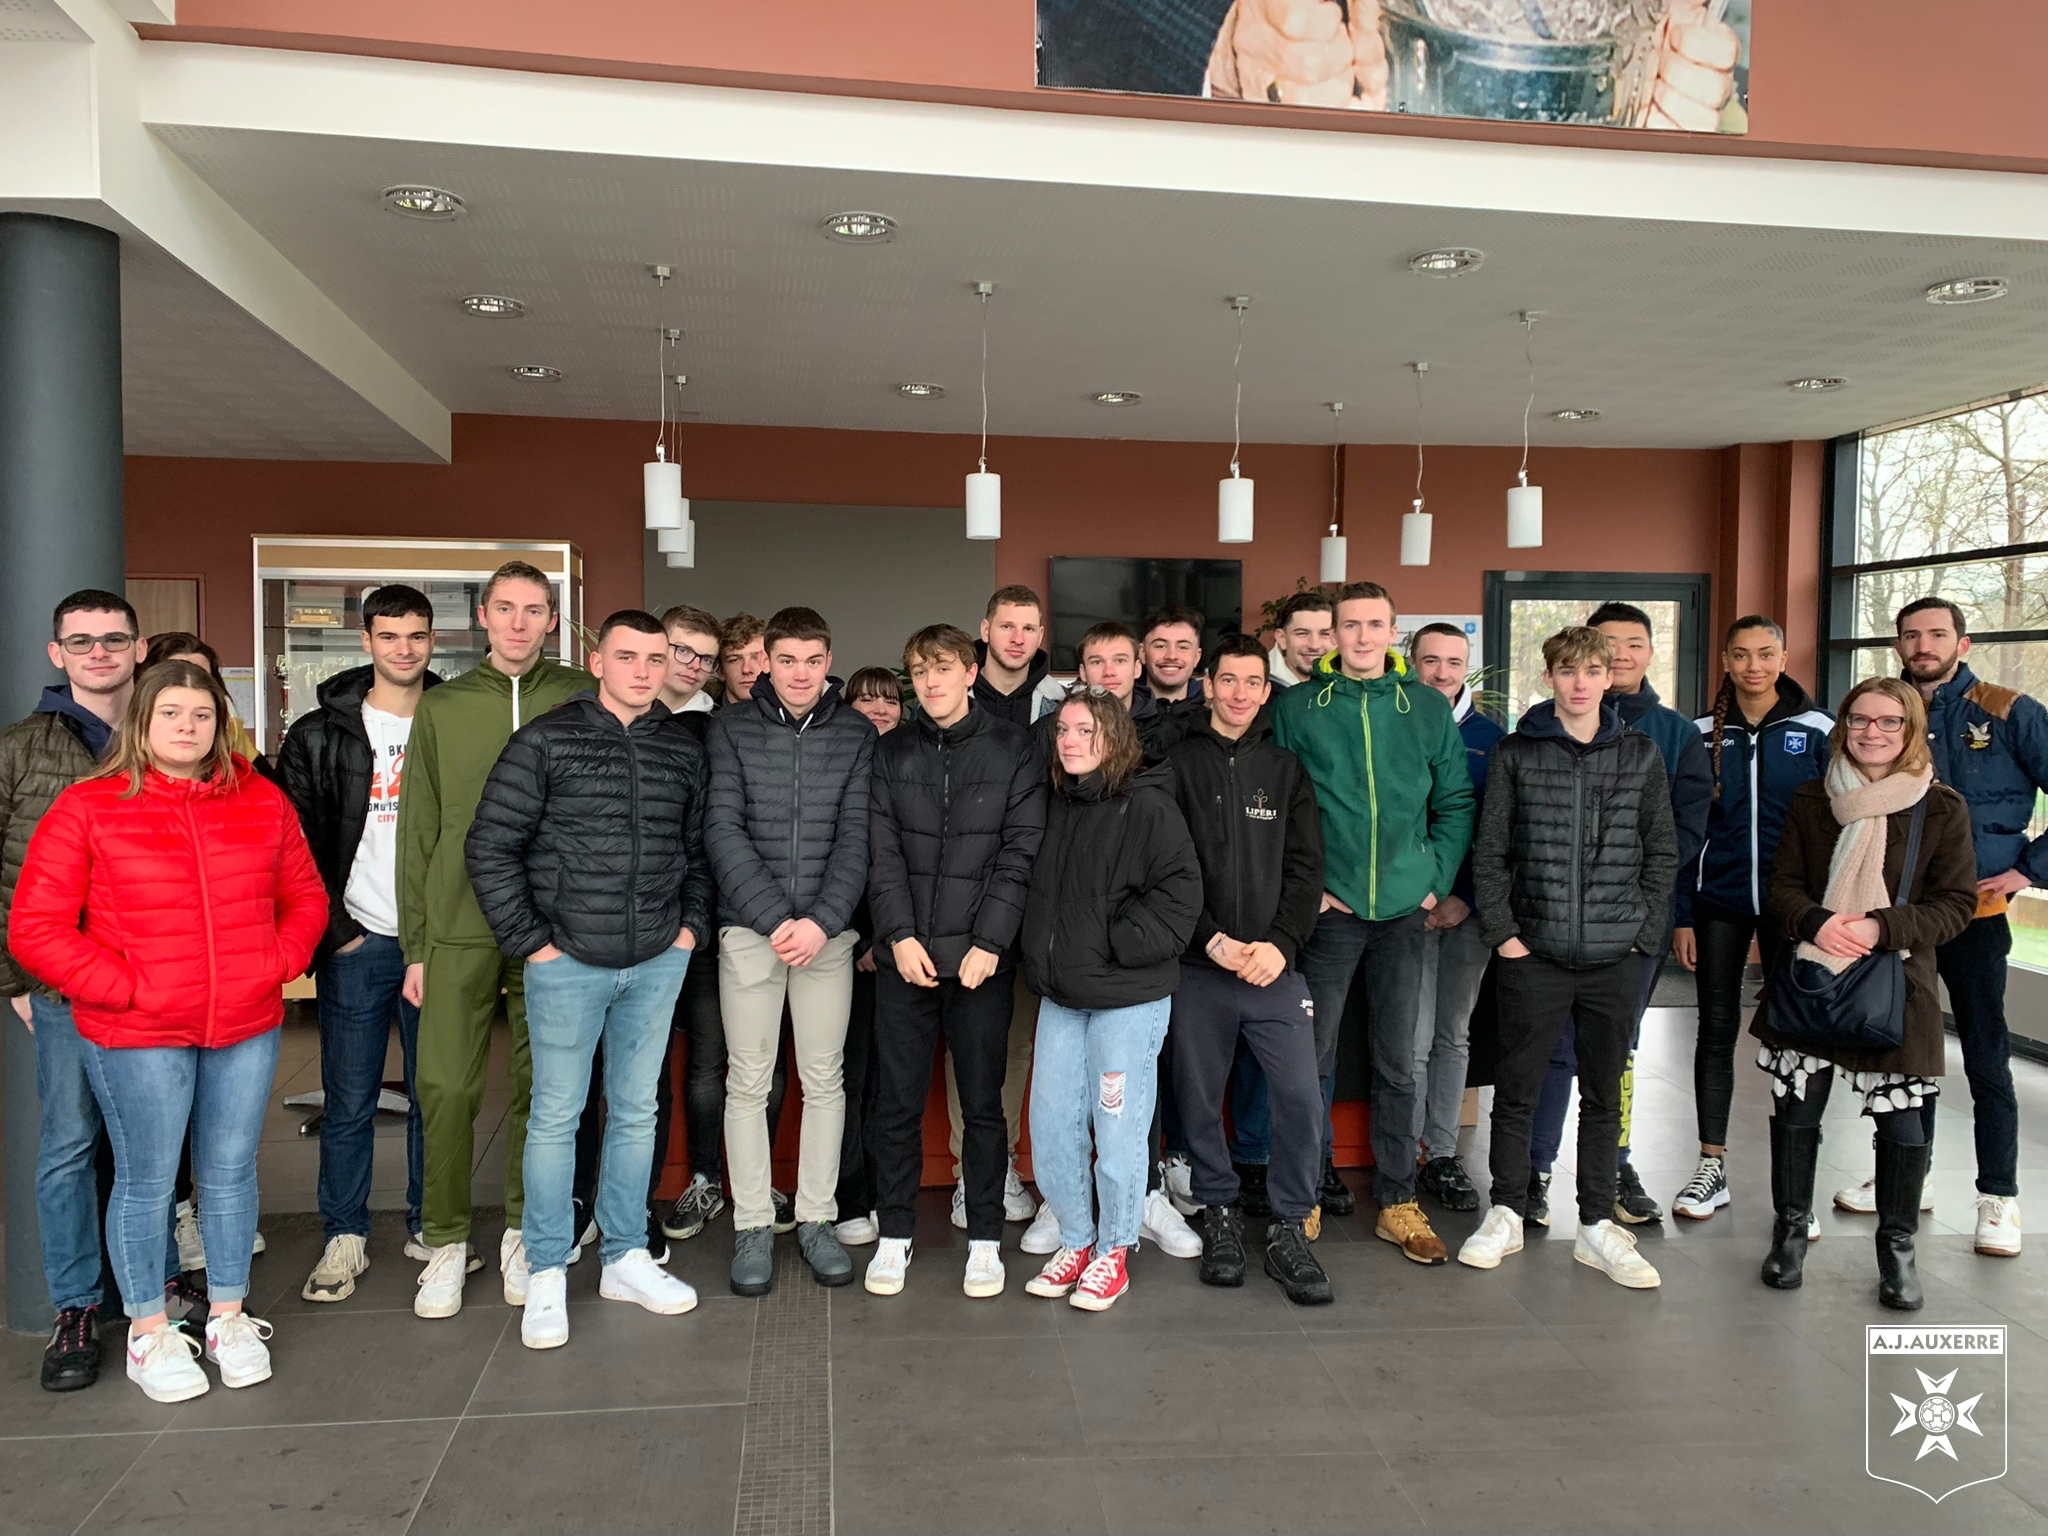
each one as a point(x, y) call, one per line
point(1147, 895)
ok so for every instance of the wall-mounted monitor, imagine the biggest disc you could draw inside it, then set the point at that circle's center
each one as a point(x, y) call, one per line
point(1093, 589)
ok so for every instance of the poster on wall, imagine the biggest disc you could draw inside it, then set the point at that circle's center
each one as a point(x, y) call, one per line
point(1470, 623)
point(1670, 64)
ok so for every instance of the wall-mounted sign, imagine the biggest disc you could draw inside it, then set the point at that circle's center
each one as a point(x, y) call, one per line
point(1680, 64)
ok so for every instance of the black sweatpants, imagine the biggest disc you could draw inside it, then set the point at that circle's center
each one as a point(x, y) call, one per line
point(856, 1192)
point(909, 1022)
point(1723, 936)
point(1537, 997)
point(1212, 1011)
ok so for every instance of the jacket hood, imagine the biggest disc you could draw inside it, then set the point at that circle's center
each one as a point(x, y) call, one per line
point(1143, 705)
point(1194, 693)
point(345, 691)
point(1089, 787)
point(1540, 721)
point(1792, 700)
point(1635, 706)
point(1200, 727)
point(57, 700)
point(1034, 672)
point(967, 726)
point(1954, 688)
point(1398, 672)
point(828, 697)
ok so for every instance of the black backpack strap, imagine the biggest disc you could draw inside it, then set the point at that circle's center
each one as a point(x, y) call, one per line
point(1905, 893)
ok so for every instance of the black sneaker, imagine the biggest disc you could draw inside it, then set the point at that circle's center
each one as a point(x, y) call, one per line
point(693, 1210)
point(185, 1298)
point(71, 1361)
point(1538, 1213)
point(785, 1210)
point(1251, 1190)
point(1443, 1180)
point(1632, 1202)
point(1291, 1261)
point(1335, 1195)
point(1222, 1246)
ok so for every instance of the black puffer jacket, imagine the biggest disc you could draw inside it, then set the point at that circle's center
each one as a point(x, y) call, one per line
point(1252, 812)
point(590, 836)
point(957, 818)
point(325, 767)
point(1577, 850)
point(1114, 896)
point(786, 826)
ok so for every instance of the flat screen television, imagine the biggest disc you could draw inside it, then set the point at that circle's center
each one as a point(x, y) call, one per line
point(1090, 590)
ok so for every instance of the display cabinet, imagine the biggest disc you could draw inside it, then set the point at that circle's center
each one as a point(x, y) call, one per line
point(309, 594)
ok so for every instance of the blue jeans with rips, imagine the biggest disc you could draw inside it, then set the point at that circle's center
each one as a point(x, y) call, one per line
point(1096, 1070)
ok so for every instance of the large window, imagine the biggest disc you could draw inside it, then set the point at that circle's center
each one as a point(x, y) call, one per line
point(1953, 507)
point(1525, 608)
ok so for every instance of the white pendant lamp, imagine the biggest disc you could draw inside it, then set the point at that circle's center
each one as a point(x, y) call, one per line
point(1335, 546)
point(984, 490)
point(1525, 501)
point(1416, 525)
point(661, 480)
point(1234, 495)
point(685, 557)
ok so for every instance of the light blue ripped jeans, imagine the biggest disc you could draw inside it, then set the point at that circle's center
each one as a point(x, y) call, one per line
point(1095, 1069)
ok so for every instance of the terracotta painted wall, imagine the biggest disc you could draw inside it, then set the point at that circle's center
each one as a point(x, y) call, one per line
point(1949, 83)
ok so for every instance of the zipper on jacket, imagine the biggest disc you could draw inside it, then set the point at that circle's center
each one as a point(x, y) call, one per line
point(1234, 816)
point(1756, 900)
point(796, 807)
point(205, 922)
point(633, 817)
point(515, 703)
point(1372, 800)
point(945, 823)
point(1578, 854)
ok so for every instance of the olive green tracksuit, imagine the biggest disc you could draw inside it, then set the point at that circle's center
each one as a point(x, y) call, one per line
point(460, 729)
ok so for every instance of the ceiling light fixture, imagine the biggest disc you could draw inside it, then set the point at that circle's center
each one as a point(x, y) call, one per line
point(1815, 386)
point(1116, 397)
point(1416, 525)
point(537, 372)
point(1575, 413)
point(1966, 290)
point(1453, 261)
point(859, 228)
point(984, 490)
point(493, 306)
point(1234, 495)
point(1525, 501)
point(661, 478)
point(1335, 546)
point(423, 202)
point(921, 391)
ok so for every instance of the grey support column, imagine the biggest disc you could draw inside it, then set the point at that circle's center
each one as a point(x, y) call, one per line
point(60, 529)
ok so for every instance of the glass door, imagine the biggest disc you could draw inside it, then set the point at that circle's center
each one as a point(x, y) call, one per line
point(1525, 608)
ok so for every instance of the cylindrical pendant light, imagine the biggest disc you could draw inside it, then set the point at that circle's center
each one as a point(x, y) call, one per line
point(676, 541)
point(1334, 553)
point(1525, 501)
point(1234, 494)
point(984, 490)
point(1332, 566)
point(661, 486)
point(1416, 524)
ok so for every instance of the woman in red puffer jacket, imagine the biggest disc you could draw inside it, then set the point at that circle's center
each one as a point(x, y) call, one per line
point(169, 898)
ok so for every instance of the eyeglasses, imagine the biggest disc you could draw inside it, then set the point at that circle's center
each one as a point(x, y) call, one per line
point(1890, 725)
point(82, 645)
point(690, 658)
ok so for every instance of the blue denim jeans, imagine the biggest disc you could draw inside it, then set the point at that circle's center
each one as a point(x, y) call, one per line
point(67, 1188)
point(359, 992)
point(570, 1008)
point(149, 1096)
point(1095, 1069)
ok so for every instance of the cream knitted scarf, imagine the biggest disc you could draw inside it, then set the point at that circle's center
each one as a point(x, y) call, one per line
point(1856, 871)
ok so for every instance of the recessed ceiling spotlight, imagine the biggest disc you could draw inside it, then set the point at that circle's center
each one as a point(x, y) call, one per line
point(493, 306)
point(419, 202)
point(918, 391)
point(1453, 261)
point(535, 371)
point(1814, 386)
point(1117, 397)
point(860, 228)
point(1575, 413)
point(1966, 290)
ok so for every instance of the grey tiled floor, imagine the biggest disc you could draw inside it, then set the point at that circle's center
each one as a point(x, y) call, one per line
point(1538, 1397)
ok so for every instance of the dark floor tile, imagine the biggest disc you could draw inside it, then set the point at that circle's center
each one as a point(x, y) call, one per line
point(943, 1496)
point(1556, 1288)
point(112, 1405)
point(1774, 1487)
point(653, 1470)
point(940, 1400)
point(619, 1356)
point(305, 1480)
point(52, 1485)
point(1342, 1494)
point(932, 1305)
point(1377, 1288)
point(1208, 1394)
point(1167, 1296)
point(1480, 1486)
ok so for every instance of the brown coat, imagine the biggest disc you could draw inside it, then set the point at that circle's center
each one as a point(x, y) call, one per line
point(1944, 901)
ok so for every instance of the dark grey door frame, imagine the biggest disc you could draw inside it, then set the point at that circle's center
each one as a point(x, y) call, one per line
point(1693, 594)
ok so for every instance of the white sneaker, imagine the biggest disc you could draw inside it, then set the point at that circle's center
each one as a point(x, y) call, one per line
point(1705, 1192)
point(1163, 1225)
point(545, 1324)
point(858, 1231)
point(1812, 1227)
point(416, 1248)
point(984, 1269)
point(1179, 1177)
point(165, 1364)
point(634, 1276)
point(1611, 1249)
point(1043, 1235)
point(1017, 1202)
point(1861, 1199)
point(512, 1266)
point(960, 1204)
point(1998, 1225)
point(885, 1269)
point(334, 1277)
point(234, 1342)
point(258, 1246)
point(440, 1292)
point(589, 1236)
point(1494, 1239)
point(191, 1248)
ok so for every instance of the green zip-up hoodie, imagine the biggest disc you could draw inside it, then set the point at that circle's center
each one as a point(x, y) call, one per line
point(1389, 771)
point(457, 734)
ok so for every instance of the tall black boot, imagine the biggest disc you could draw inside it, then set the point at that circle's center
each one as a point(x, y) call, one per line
point(1900, 1173)
point(1794, 1151)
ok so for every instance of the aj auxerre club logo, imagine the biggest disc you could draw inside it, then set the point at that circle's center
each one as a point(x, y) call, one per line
point(1259, 810)
point(1934, 1406)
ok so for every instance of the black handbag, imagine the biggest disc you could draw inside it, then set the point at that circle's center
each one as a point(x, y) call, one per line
point(1863, 1009)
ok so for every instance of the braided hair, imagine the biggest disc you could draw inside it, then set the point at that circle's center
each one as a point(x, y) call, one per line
point(1724, 698)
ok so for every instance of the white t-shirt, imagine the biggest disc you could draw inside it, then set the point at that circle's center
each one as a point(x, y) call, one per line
point(372, 893)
